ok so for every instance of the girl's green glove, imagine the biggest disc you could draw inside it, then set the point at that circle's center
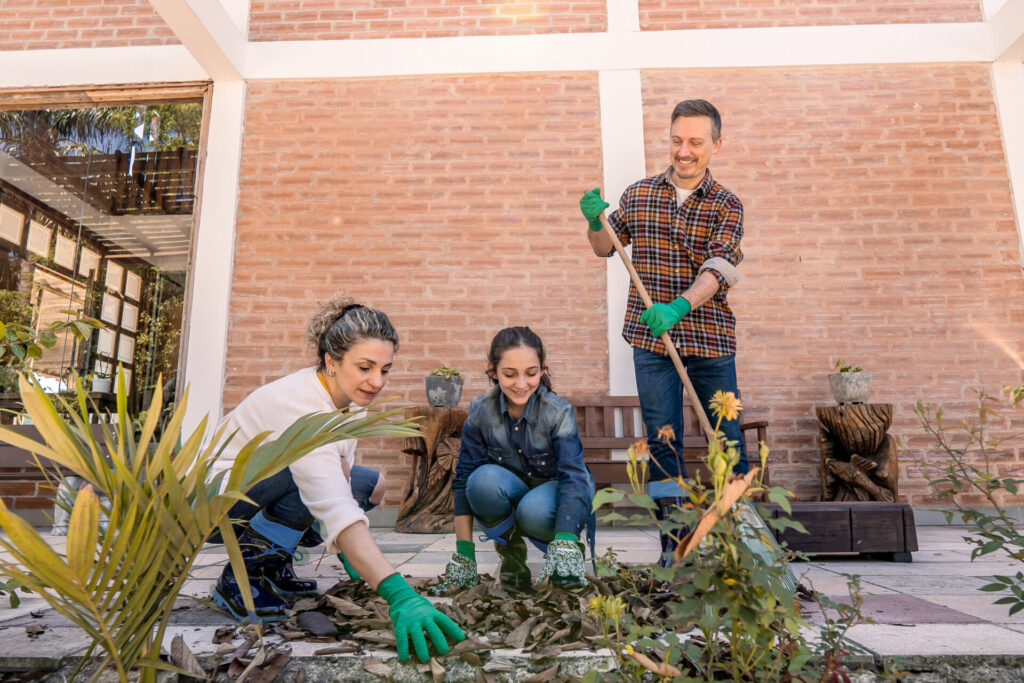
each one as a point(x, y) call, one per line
point(592, 207)
point(563, 561)
point(461, 571)
point(662, 317)
point(412, 615)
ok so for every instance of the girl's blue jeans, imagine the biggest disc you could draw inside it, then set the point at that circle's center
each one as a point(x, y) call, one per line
point(494, 493)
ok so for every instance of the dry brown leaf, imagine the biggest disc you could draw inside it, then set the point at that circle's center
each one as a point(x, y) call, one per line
point(437, 672)
point(482, 677)
point(518, 637)
point(346, 607)
point(34, 630)
point(734, 490)
point(378, 668)
point(549, 651)
point(499, 664)
point(383, 637)
point(300, 676)
point(472, 658)
point(271, 667)
point(224, 634)
point(663, 669)
point(183, 658)
point(343, 648)
point(470, 644)
point(543, 676)
point(256, 663)
point(305, 604)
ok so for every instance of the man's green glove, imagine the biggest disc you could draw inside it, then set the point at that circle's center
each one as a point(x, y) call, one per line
point(349, 569)
point(661, 317)
point(412, 615)
point(563, 560)
point(592, 207)
point(461, 571)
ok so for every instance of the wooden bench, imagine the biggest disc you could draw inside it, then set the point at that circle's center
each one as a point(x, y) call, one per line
point(608, 423)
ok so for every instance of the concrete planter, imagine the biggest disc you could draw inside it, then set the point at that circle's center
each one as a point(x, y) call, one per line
point(850, 387)
point(443, 392)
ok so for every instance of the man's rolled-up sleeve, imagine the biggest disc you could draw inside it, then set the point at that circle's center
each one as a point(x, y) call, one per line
point(722, 253)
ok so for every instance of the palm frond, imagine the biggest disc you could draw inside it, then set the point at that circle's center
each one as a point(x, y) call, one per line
point(163, 501)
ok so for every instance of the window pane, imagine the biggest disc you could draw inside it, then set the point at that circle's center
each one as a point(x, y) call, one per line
point(96, 212)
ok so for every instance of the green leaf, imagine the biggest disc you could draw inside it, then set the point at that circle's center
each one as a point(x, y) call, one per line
point(780, 497)
point(605, 496)
point(642, 500)
point(613, 517)
point(1016, 608)
point(993, 587)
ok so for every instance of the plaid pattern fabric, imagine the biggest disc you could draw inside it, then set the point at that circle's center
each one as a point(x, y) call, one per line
point(669, 245)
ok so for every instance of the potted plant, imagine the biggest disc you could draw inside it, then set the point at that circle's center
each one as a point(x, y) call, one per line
point(444, 387)
point(849, 383)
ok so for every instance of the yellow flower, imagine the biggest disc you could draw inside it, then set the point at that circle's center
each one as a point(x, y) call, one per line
point(725, 405)
point(730, 582)
point(629, 649)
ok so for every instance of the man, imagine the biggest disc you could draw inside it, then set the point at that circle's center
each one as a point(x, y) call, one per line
point(685, 229)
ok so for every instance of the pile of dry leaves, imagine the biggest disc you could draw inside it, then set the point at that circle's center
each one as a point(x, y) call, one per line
point(351, 617)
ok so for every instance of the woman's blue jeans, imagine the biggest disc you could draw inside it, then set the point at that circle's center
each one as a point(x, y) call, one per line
point(278, 497)
point(494, 493)
point(661, 402)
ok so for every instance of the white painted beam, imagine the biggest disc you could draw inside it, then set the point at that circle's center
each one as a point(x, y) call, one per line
point(1007, 30)
point(210, 285)
point(1008, 88)
point(209, 33)
point(98, 66)
point(623, 16)
point(622, 155)
point(755, 47)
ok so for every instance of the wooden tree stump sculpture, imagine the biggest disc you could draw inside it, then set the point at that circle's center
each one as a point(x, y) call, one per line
point(858, 456)
point(427, 500)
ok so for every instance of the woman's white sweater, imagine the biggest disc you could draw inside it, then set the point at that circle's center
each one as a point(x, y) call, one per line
point(322, 474)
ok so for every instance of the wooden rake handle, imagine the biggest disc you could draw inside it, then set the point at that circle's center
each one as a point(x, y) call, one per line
point(672, 353)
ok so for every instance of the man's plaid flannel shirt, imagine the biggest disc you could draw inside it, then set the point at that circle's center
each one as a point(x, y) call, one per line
point(670, 244)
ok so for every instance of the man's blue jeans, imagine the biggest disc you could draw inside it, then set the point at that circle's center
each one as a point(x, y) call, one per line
point(661, 402)
point(278, 497)
point(494, 493)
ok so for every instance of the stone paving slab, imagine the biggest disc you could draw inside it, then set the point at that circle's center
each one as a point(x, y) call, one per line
point(938, 639)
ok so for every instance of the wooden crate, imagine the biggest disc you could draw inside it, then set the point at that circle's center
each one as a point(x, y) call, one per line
point(882, 530)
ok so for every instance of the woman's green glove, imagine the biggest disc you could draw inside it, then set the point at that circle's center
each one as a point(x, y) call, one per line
point(592, 207)
point(461, 571)
point(662, 317)
point(412, 615)
point(563, 560)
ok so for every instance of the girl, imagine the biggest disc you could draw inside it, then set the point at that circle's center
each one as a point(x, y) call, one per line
point(355, 347)
point(520, 471)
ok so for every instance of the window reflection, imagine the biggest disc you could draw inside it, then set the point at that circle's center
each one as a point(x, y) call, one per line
point(96, 219)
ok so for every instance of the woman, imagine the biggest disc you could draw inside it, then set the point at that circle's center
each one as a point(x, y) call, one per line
point(355, 348)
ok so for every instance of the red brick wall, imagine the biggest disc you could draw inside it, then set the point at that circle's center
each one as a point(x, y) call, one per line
point(661, 15)
point(345, 19)
point(879, 230)
point(449, 203)
point(54, 24)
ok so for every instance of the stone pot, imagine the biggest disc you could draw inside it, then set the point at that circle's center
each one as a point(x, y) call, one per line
point(443, 392)
point(850, 387)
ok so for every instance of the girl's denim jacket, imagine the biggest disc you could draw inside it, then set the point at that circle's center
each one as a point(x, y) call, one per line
point(551, 450)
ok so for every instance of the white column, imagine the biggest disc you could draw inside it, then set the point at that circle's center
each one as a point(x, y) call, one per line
point(622, 146)
point(210, 288)
point(1008, 87)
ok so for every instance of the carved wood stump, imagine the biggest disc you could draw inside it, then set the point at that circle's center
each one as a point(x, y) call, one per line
point(858, 458)
point(427, 499)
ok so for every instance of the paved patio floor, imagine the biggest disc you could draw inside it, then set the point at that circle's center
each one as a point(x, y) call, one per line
point(930, 607)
